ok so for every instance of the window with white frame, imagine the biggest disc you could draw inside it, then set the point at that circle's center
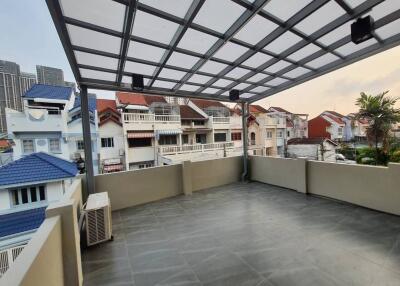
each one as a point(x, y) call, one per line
point(28, 195)
point(107, 142)
point(54, 145)
point(79, 145)
point(340, 131)
point(269, 134)
point(28, 146)
point(146, 165)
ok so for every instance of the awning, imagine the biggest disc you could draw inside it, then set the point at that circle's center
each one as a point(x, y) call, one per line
point(140, 134)
point(136, 107)
point(110, 168)
point(259, 47)
point(168, 132)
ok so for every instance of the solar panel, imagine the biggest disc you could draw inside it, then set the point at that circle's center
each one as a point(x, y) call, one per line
point(204, 48)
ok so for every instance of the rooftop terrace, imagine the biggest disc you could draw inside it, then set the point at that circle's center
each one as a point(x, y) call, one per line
point(247, 234)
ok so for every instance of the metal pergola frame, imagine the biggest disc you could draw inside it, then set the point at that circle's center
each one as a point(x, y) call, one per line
point(251, 9)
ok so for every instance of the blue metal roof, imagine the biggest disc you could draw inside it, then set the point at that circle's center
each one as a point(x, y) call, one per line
point(21, 221)
point(36, 167)
point(92, 102)
point(49, 92)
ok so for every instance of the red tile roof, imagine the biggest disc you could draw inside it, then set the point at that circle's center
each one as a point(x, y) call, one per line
point(103, 104)
point(279, 109)
point(188, 113)
point(138, 98)
point(334, 118)
point(334, 113)
point(254, 108)
point(5, 143)
point(204, 103)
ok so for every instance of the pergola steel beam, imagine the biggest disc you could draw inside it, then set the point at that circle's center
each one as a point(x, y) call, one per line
point(130, 12)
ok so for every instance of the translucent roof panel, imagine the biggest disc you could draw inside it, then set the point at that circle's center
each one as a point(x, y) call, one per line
point(171, 74)
point(304, 52)
point(96, 60)
point(145, 52)
point(196, 41)
point(255, 30)
point(285, 9)
point(284, 42)
point(209, 46)
point(320, 18)
point(211, 17)
point(230, 52)
point(182, 60)
point(139, 68)
point(256, 60)
point(178, 8)
point(153, 28)
point(92, 11)
point(94, 40)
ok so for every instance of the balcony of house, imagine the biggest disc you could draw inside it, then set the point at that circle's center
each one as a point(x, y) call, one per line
point(150, 121)
point(36, 120)
point(219, 122)
point(196, 148)
point(296, 222)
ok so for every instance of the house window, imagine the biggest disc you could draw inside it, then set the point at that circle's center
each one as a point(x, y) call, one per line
point(340, 131)
point(54, 145)
point(79, 145)
point(288, 133)
point(28, 146)
point(167, 140)
point(236, 136)
point(28, 195)
point(185, 139)
point(220, 137)
point(107, 142)
point(139, 142)
point(198, 123)
point(269, 134)
point(146, 165)
point(279, 134)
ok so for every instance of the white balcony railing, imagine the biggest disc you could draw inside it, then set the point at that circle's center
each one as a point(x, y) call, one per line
point(8, 256)
point(150, 118)
point(165, 150)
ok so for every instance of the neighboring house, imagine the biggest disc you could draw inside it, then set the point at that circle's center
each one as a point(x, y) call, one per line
point(51, 122)
point(27, 186)
point(296, 123)
point(281, 129)
point(195, 129)
point(148, 121)
point(321, 149)
point(326, 126)
point(358, 127)
point(347, 129)
point(112, 152)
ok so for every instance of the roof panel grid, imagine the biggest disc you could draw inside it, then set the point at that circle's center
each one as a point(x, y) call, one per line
point(304, 52)
point(230, 52)
point(257, 59)
point(145, 52)
point(96, 60)
point(196, 41)
point(283, 43)
point(197, 78)
point(182, 60)
point(138, 68)
point(350, 47)
point(100, 75)
point(178, 8)
point(255, 30)
point(322, 61)
point(285, 9)
point(384, 9)
point(389, 30)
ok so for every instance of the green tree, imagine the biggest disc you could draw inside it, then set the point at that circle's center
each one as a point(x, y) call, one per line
point(381, 112)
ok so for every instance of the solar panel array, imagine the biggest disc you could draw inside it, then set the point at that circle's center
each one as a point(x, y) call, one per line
point(205, 48)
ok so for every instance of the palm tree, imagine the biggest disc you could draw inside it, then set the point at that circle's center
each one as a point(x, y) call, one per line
point(379, 110)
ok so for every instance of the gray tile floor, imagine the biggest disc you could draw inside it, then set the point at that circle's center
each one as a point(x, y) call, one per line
point(247, 234)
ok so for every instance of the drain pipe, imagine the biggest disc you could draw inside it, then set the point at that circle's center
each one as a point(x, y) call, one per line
point(245, 114)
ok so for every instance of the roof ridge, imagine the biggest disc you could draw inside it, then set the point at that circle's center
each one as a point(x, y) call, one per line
point(51, 163)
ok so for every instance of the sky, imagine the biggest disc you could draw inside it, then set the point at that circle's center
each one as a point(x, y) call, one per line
point(30, 39)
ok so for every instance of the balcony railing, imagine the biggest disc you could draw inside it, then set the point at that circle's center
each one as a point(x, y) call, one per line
point(221, 120)
point(166, 150)
point(150, 118)
point(8, 256)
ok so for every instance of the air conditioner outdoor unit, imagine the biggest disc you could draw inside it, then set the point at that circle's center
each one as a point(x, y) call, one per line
point(98, 218)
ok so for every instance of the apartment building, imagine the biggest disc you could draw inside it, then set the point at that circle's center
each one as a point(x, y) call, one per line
point(13, 84)
point(51, 123)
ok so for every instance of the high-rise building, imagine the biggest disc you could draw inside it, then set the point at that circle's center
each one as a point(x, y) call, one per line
point(13, 84)
point(50, 76)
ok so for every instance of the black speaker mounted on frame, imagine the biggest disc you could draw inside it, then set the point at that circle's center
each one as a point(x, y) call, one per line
point(362, 30)
point(234, 95)
point(137, 82)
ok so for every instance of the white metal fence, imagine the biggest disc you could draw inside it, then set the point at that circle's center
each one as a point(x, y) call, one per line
point(165, 150)
point(150, 118)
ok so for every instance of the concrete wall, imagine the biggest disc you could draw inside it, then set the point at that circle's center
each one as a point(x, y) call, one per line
point(368, 186)
point(131, 188)
point(287, 173)
point(137, 187)
point(41, 261)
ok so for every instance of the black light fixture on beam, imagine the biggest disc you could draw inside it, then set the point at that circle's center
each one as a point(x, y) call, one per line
point(362, 29)
point(234, 95)
point(137, 82)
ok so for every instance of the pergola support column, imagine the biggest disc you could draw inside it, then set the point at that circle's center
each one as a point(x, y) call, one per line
point(87, 141)
point(245, 138)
